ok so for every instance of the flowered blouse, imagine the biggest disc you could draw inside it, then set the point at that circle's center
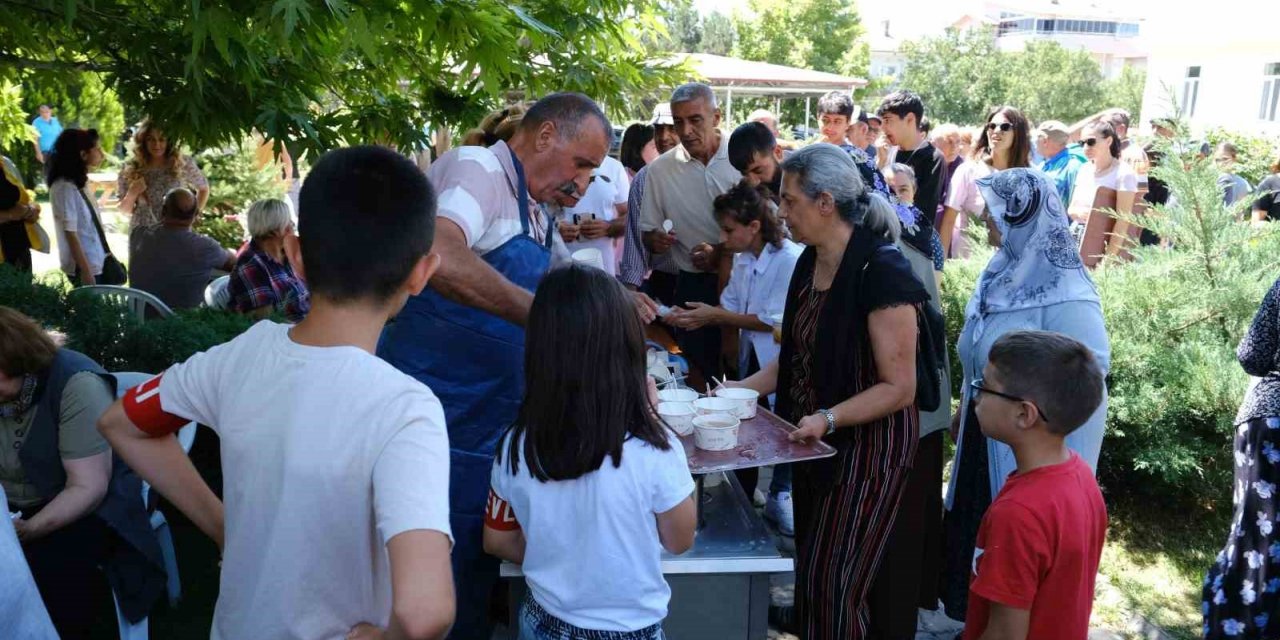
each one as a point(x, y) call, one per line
point(159, 182)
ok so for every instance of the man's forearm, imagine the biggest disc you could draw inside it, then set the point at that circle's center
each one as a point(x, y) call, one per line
point(466, 279)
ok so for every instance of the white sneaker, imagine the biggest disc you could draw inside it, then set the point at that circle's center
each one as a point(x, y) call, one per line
point(779, 510)
point(757, 499)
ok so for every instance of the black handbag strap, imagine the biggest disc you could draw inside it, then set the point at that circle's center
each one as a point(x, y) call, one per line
point(97, 224)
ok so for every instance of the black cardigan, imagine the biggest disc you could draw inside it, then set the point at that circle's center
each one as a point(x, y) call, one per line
point(873, 274)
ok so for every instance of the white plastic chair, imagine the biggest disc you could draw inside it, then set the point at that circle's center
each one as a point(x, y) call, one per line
point(216, 295)
point(160, 526)
point(136, 301)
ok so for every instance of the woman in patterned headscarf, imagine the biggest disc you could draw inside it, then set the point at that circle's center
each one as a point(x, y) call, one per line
point(1035, 281)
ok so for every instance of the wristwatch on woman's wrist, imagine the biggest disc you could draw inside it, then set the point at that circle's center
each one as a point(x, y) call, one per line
point(831, 420)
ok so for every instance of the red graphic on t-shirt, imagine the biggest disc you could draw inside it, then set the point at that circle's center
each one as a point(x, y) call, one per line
point(142, 405)
point(498, 514)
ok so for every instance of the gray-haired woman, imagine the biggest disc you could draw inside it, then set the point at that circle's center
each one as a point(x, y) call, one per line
point(262, 280)
point(846, 375)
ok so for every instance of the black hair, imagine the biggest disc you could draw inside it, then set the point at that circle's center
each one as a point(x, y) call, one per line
point(1020, 152)
point(1104, 128)
point(745, 204)
point(366, 216)
point(1056, 372)
point(568, 112)
point(579, 410)
point(634, 139)
point(838, 103)
point(66, 162)
point(926, 125)
point(902, 103)
point(748, 140)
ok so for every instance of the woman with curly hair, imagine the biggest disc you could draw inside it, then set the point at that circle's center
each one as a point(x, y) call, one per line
point(157, 167)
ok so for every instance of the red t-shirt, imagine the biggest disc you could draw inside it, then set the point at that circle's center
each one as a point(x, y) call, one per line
point(1038, 549)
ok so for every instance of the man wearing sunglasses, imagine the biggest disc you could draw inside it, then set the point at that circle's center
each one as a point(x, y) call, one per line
point(1041, 539)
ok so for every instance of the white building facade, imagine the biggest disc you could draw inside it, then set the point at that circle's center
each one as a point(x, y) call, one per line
point(1115, 40)
point(1217, 69)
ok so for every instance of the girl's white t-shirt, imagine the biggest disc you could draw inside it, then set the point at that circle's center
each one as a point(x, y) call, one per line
point(592, 556)
point(1120, 177)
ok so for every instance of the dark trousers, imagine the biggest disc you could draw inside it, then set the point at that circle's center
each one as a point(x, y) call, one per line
point(661, 286)
point(66, 567)
point(908, 575)
point(701, 347)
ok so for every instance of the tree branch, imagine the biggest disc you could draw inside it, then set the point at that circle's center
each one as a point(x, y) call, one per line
point(6, 58)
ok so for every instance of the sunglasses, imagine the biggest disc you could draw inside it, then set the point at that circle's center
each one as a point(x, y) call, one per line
point(1003, 126)
point(1089, 142)
point(980, 388)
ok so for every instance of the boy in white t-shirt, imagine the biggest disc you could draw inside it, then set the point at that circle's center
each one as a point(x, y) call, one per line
point(589, 486)
point(335, 465)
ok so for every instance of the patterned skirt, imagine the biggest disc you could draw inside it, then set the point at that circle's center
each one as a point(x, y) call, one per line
point(1242, 589)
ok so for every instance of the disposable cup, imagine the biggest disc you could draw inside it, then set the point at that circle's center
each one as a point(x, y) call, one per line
point(747, 400)
point(714, 405)
point(715, 432)
point(678, 415)
point(590, 257)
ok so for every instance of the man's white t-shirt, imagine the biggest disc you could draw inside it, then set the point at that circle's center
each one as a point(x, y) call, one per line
point(592, 554)
point(601, 200)
point(327, 454)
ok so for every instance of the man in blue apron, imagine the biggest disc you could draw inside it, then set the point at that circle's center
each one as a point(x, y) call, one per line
point(464, 336)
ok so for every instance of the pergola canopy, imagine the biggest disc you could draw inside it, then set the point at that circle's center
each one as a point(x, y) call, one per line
point(747, 78)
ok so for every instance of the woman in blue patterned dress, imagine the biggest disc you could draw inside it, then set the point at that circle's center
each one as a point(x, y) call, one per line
point(1242, 590)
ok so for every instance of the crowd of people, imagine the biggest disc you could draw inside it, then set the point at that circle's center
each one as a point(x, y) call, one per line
point(462, 377)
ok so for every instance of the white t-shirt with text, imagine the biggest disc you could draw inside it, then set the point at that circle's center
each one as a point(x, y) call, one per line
point(592, 556)
point(327, 454)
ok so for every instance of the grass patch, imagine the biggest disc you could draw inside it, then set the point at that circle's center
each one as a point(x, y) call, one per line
point(1153, 564)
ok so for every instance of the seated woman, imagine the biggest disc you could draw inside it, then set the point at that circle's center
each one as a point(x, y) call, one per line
point(171, 261)
point(262, 281)
point(56, 470)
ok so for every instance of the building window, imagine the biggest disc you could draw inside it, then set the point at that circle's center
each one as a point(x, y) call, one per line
point(1270, 92)
point(1190, 91)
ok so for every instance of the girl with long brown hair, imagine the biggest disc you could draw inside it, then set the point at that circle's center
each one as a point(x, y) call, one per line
point(1004, 143)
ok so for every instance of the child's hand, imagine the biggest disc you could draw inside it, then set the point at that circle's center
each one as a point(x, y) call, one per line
point(365, 631)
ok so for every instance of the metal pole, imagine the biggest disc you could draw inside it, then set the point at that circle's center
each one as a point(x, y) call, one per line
point(806, 117)
point(728, 105)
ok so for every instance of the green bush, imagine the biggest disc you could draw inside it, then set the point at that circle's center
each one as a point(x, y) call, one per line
point(227, 231)
point(1255, 154)
point(1174, 317)
point(234, 180)
point(108, 333)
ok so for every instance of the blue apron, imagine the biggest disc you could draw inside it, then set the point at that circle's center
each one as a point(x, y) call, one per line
point(474, 362)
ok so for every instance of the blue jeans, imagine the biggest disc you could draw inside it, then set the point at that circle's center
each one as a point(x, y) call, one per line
point(537, 624)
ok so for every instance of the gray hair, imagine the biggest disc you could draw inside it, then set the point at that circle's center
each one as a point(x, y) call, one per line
point(691, 91)
point(904, 169)
point(568, 112)
point(826, 168)
point(266, 217)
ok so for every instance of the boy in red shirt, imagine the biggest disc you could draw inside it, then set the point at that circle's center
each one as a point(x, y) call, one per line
point(1041, 539)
